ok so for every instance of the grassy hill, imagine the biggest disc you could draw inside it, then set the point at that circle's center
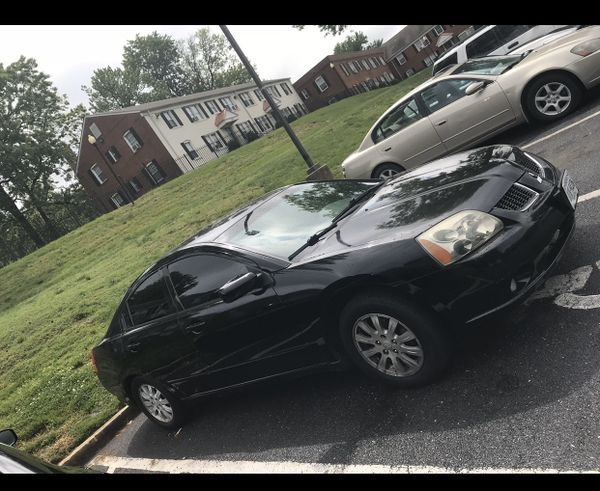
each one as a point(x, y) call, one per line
point(55, 304)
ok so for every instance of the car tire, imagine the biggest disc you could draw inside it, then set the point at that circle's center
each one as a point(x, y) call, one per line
point(551, 97)
point(158, 404)
point(416, 354)
point(387, 171)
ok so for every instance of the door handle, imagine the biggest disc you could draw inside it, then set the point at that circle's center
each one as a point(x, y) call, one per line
point(440, 123)
point(133, 347)
point(196, 327)
point(387, 149)
point(511, 46)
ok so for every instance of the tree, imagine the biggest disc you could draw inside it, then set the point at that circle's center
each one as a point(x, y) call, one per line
point(377, 43)
point(353, 42)
point(207, 62)
point(150, 71)
point(333, 30)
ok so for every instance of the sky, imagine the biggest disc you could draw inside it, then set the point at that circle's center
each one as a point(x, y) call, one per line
point(70, 54)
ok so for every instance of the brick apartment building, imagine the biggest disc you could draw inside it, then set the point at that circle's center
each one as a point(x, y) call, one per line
point(126, 153)
point(338, 76)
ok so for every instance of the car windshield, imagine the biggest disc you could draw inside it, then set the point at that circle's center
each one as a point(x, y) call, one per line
point(488, 65)
point(285, 222)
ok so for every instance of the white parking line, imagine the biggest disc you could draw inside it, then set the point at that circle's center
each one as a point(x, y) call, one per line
point(561, 130)
point(253, 467)
point(585, 197)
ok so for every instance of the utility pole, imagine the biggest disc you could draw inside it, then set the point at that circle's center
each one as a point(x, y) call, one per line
point(315, 172)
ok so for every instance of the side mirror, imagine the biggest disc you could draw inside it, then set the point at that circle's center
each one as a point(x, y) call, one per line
point(8, 437)
point(236, 288)
point(474, 87)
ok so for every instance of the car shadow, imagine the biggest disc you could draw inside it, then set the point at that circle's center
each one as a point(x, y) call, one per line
point(512, 363)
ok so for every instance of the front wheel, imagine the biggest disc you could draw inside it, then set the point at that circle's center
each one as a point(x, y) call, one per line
point(158, 404)
point(394, 341)
point(552, 97)
point(387, 171)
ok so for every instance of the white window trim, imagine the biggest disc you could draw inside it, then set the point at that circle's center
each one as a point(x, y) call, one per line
point(320, 77)
point(151, 175)
point(365, 64)
point(435, 29)
point(373, 62)
point(401, 55)
point(112, 157)
point(98, 178)
point(129, 144)
point(195, 111)
point(169, 115)
point(304, 93)
point(246, 99)
point(116, 202)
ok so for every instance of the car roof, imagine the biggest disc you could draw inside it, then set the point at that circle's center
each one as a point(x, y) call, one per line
point(454, 49)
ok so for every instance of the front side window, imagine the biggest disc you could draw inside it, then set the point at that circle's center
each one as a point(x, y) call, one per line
point(397, 119)
point(198, 278)
point(444, 93)
point(155, 172)
point(321, 83)
point(133, 140)
point(98, 174)
point(482, 45)
point(149, 301)
point(171, 119)
point(195, 113)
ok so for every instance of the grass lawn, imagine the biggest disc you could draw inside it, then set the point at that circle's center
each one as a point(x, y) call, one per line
point(55, 304)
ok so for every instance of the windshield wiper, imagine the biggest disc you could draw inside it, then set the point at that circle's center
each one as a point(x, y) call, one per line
point(313, 239)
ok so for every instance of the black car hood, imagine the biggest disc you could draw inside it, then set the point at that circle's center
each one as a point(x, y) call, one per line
point(415, 200)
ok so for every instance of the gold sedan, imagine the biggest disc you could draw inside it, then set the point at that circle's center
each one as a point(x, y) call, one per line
point(469, 103)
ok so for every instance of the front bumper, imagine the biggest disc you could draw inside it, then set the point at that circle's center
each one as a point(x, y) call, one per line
point(510, 266)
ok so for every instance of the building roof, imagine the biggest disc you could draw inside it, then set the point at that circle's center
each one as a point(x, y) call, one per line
point(173, 101)
point(404, 38)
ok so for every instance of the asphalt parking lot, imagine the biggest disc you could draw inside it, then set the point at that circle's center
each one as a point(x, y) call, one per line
point(522, 395)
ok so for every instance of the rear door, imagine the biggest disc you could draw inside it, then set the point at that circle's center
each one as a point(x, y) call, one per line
point(406, 136)
point(461, 120)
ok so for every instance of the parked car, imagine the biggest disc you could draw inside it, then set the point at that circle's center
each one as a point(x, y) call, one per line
point(14, 461)
point(492, 40)
point(319, 275)
point(472, 102)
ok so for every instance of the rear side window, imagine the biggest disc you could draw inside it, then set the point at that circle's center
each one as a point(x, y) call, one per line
point(506, 34)
point(197, 278)
point(451, 60)
point(482, 45)
point(396, 120)
point(150, 300)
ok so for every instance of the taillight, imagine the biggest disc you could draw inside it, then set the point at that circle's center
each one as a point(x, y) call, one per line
point(94, 362)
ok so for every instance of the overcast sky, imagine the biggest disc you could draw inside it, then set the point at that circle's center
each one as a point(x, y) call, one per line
point(70, 54)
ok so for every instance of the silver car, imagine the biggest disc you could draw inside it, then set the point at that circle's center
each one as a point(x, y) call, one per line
point(469, 103)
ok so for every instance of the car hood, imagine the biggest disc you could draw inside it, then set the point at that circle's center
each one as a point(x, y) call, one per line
point(416, 200)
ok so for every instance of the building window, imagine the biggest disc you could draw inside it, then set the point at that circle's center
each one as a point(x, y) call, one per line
point(113, 154)
point(154, 172)
point(117, 200)
point(429, 60)
point(212, 106)
point(213, 142)
point(259, 95)
point(421, 43)
point(410, 72)
point(305, 93)
point(245, 128)
point(365, 86)
point(321, 83)
point(189, 149)
point(171, 119)
point(285, 89)
point(133, 140)
point(195, 112)
point(227, 103)
point(135, 185)
point(275, 89)
point(401, 59)
point(373, 62)
point(246, 99)
point(98, 174)
point(365, 64)
point(381, 60)
point(264, 123)
point(352, 66)
point(438, 30)
point(345, 69)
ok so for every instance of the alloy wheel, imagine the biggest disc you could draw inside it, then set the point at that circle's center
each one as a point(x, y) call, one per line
point(553, 98)
point(156, 403)
point(388, 345)
point(388, 173)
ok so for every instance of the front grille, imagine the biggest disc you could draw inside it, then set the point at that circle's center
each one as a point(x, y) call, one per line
point(532, 166)
point(517, 198)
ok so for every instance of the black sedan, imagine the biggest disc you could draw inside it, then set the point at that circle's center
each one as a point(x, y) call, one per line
point(319, 275)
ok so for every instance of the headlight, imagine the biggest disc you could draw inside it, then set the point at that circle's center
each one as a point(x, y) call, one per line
point(587, 48)
point(457, 236)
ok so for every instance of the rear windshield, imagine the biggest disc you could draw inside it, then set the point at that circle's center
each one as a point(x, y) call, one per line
point(490, 65)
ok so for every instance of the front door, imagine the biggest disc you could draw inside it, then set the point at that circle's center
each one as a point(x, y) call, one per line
point(461, 120)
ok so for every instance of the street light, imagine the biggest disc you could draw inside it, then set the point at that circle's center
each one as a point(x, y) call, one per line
point(92, 140)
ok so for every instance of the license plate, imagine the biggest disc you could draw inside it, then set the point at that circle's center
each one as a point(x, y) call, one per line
point(570, 189)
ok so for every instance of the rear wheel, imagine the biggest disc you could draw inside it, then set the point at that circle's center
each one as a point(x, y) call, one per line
point(394, 341)
point(387, 171)
point(158, 404)
point(552, 96)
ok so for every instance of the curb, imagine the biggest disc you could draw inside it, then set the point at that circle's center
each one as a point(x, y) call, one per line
point(101, 436)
